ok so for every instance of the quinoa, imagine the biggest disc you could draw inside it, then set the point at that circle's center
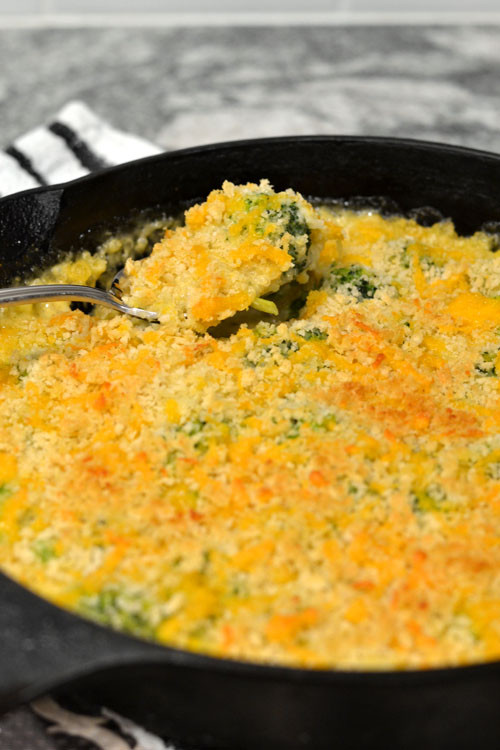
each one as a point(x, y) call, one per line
point(322, 491)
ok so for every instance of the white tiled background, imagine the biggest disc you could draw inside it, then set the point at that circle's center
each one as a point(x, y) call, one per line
point(46, 7)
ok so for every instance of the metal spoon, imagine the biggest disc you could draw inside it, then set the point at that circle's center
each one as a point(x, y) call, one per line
point(22, 295)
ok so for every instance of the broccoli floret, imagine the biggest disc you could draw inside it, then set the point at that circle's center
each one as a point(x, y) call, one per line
point(493, 470)
point(44, 550)
point(355, 279)
point(119, 609)
point(286, 347)
point(5, 492)
point(485, 372)
point(486, 367)
point(432, 498)
point(324, 423)
point(293, 431)
point(313, 334)
point(193, 427)
point(264, 330)
point(288, 219)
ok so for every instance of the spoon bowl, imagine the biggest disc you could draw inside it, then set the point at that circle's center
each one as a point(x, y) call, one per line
point(23, 295)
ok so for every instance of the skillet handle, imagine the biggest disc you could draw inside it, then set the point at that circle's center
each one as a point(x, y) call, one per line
point(44, 647)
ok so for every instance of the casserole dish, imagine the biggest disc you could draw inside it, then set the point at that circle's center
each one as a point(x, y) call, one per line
point(197, 699)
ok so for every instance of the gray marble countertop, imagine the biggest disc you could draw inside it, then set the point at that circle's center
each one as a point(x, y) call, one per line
point(182, 87)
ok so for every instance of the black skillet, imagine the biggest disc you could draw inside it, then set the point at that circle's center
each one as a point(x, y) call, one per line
point(200, 700)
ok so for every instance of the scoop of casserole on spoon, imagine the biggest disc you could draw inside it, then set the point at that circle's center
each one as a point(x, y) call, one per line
point(242, 243)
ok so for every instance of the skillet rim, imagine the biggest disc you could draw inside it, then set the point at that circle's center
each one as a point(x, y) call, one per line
point(226, 145)
point(162, 654)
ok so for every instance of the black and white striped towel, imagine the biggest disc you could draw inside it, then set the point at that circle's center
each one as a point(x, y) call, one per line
point(75, 143)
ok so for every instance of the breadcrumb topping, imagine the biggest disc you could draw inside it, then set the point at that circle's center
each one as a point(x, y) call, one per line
point(322, 491)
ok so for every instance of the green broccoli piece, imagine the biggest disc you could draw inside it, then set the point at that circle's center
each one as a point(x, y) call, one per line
point(355, 279)
point(5, 492)
point(326, 423)
point(119, 609)
point(294, 224)
point(293, 431)
point(44, 550)
point(286, 347)
point(493, 470)
point(486, 367)
point(432, 498)
point(313, 334)
point(289, 220)
point(265, 305)
point(192, 427)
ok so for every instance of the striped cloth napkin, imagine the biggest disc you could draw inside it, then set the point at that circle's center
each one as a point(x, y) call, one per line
point(93, 730)
point(75, 143)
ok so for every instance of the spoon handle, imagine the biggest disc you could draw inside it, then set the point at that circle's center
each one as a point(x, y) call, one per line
point(75, 292)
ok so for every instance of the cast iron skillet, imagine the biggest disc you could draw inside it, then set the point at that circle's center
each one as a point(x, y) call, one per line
point(212, 702)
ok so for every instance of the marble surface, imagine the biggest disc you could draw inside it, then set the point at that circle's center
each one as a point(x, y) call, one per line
point(189, 86)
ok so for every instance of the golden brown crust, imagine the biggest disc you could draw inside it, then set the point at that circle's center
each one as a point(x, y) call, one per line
point(321, 492)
